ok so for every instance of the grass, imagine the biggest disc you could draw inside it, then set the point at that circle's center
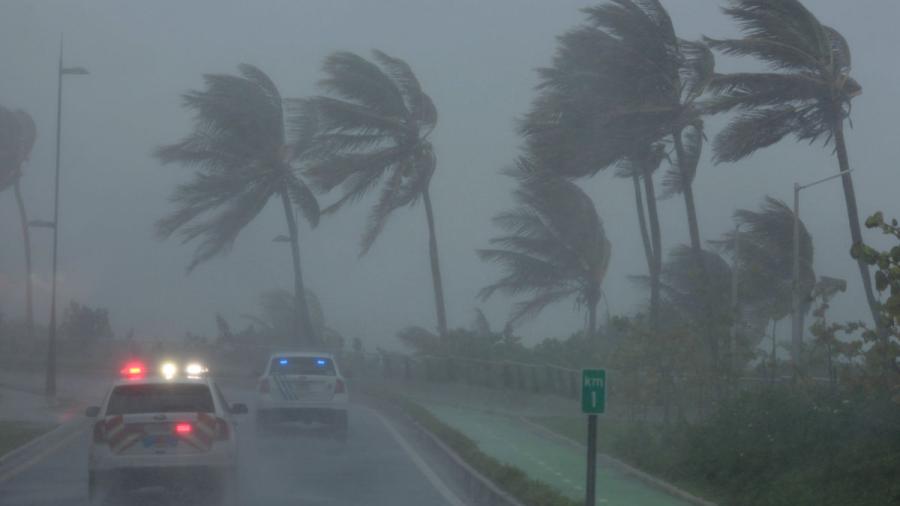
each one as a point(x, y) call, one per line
point(14, 434)
point(617, 439)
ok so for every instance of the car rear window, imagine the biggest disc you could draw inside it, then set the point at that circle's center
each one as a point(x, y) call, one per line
point(160, 398)
point(308, 366)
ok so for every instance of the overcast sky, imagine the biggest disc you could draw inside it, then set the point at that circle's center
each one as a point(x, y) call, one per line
point(474, 57)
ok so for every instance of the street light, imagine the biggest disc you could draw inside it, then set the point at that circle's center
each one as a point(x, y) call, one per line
point(796, 325)
point(50, 386)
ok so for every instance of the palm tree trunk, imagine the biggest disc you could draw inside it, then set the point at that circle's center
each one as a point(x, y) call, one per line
point(853, 215)
point(440, 309)
point(302, 321)
point(774, 351)
point(26, 237)
point(712, 337)
point(656, 263)
point(592, 318)
point(688, 191)
point(642, 220)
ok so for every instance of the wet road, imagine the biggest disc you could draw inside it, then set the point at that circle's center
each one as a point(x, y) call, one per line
point(291, 466)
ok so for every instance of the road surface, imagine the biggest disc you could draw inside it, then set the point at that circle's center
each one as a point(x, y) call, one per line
point(298, 466)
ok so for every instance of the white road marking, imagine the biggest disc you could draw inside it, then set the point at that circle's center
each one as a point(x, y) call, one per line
point(432, 477)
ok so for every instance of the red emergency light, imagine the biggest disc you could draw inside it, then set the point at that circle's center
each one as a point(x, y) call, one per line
point(183, 428)
point(133, 370)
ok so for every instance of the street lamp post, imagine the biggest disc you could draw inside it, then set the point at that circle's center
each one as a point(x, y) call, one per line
point(50, 386)
point(796, 325)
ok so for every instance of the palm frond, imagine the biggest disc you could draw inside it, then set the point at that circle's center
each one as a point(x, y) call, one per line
point(681, 175)
point(304, 199)
point(752, 131)
point(355, 79)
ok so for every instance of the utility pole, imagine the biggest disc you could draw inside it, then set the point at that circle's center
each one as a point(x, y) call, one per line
point(796, 296)
point(50, 385)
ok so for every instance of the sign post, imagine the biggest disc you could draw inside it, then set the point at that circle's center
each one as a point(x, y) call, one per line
point(593, 402)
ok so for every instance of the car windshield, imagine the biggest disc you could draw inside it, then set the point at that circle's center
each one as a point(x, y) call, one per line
point(160, 398)
point(307, 366)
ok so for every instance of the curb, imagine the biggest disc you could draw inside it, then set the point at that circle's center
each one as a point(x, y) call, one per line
point(626, 468)
point(478, 488)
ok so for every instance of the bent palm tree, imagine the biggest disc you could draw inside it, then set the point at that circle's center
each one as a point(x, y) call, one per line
point(555, 249)
point(620, 86)
point(627, 70)
point(764, 261)
point(374, 130)
point(807, 93)
point(17, 137)
point(242, 158)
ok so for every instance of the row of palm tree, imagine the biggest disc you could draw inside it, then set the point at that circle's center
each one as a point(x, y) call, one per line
point(624, 91)
point(250, 145)
point(17, 136)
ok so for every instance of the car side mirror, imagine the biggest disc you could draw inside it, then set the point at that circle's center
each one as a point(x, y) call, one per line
point(239, 409)
point(92, 411)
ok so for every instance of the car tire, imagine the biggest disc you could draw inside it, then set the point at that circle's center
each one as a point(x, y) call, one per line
point(263, 422)
point(227, 488)
point(341, 425)
point(99, 489)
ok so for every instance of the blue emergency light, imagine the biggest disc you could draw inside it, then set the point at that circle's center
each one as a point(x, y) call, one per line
point(283, 361)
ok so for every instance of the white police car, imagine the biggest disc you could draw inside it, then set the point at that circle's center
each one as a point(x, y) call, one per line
point(302, 386)
point(173, 431)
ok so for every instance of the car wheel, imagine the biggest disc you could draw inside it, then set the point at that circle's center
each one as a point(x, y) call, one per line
point(227, 489)
point(341, 425)
point(99, 489)
point(263, 421)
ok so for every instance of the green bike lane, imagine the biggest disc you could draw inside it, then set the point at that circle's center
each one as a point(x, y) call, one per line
point(559, 465)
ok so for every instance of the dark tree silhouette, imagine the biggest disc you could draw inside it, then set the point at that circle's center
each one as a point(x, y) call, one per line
point(555, 247)
point(806, 94)
point(374, 130)
point(242, 157)
point(17, 136)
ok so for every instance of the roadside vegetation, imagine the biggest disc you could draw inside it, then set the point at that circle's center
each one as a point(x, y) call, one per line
point(14, 434)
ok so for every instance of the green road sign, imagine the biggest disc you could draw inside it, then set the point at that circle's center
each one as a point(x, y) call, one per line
point(593, 391)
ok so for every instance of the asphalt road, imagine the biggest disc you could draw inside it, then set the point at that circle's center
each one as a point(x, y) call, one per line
point(292, 466)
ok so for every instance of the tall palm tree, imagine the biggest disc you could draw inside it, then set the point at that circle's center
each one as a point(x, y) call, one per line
point(374, 129)
point(627, 69)
point(242, 156)
point(17, 136)
point(806, 94)
point(619, 87)
point(764, 244)
point(555, 247)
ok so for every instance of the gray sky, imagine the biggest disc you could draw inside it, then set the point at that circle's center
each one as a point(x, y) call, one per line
point(476, 60)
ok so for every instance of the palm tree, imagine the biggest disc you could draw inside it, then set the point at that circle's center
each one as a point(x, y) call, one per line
point(764, 244)
point(374, 129)
point(620, 86)
point(626, 69)
point(242, 157)
point(807, 93)
point(555, 247)
point(17, 136)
